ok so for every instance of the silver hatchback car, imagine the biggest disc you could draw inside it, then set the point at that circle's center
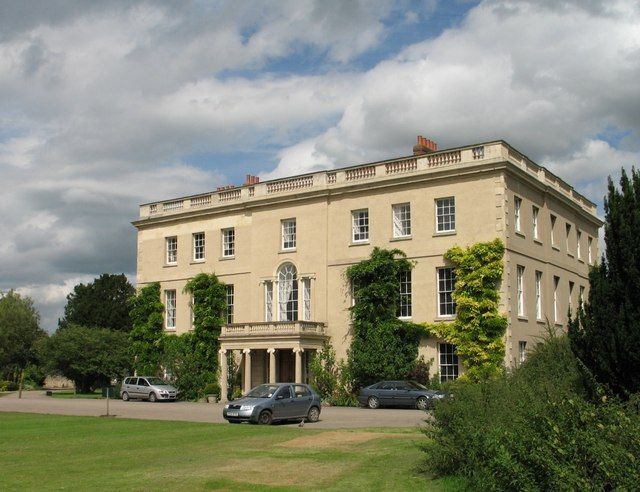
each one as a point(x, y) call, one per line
point(147, 388)
point(270, 402)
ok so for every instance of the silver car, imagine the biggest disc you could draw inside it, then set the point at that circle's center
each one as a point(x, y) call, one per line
point(147, 388)
point(270, 402)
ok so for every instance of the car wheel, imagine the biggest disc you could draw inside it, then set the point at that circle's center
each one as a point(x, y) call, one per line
point(373, 402)
point(234, 421)
point(265, 417)
point(152, 397)
point(313, 415)
point(422, 403)
point(125, 396)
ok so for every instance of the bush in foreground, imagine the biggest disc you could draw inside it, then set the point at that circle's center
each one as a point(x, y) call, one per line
point(535, 430)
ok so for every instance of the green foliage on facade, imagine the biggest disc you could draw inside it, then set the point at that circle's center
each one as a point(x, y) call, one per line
point(605, 334)
point(147, 335)
point(382, 346)
point(101, 304)
point(478, 330)
point(331, 378)
point(19, 333)
point(209, 306)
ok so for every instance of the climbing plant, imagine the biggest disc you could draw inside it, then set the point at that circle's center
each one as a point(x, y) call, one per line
point(382, 346)
point(146, 335)
point(478, 330)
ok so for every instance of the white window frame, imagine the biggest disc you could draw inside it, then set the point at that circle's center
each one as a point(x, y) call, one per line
point(268, 301)
point(288, 234)
point(306, 299)
point(404, 310)
point(520, 289)
point(535, 211)
point(230, 298)
point(170, 309)
point(556, 282)
point(517, 206)
point(553, 219)
point(198, 241)
point(448, 362)
point(445, 296)
point(538, 295)
point(228, 242)
point(581, 295)
point(578, 248)
point(522, 351)
point(589, 249)
point(446, 214)
point(401, 220)
point(571, 287)
point(288, 292)
point(360, 225)
point(568, 231)
point(171, 250)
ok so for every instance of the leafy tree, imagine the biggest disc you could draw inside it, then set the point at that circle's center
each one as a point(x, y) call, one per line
point(101, 303)
point(19, 333)
point(146, 337)
point(605, 334)
point(382, 347)
point(90, 357)
point(186, 366)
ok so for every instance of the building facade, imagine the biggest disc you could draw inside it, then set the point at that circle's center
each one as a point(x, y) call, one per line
point(282, 248)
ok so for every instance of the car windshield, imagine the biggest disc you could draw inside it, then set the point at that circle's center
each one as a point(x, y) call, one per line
point(156, 381)
point(263, 391)
point(416, 385)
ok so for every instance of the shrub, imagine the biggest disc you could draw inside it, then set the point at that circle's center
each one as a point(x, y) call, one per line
point(212, 389)
point(330, 379)
point(420, 371)
point(534, 429)
point(8, 386)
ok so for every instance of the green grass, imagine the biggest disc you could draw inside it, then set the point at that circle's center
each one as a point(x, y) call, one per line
point(71, 394)
point(81, 453)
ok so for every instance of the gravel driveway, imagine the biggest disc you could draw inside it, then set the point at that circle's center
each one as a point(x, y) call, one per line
point(331, 417)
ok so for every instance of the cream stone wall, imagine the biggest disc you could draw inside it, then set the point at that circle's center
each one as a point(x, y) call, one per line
point(484, 181)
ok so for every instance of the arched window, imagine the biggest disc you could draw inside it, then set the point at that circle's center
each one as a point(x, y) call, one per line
point(288, 292)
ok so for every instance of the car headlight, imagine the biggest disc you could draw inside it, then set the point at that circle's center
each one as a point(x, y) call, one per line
point(226, 407)
point(246, 407)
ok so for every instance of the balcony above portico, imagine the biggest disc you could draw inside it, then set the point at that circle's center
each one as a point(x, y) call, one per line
point(273, 334)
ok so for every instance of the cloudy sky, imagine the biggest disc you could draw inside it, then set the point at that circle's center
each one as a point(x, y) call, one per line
point(106, 105)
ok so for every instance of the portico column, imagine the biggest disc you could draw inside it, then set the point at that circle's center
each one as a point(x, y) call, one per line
point(298, 351)
point(247, 370)
point(224, 374)
point(272, 365)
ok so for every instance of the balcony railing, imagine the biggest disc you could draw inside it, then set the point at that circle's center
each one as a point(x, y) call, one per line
point(272, 328)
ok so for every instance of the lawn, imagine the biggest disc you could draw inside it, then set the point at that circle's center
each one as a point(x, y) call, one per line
point(60, 452)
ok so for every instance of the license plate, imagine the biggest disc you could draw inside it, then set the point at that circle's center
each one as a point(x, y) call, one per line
point(232, 414)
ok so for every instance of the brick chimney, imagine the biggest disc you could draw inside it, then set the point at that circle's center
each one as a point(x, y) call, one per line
point(424, 146)
point(251, 180)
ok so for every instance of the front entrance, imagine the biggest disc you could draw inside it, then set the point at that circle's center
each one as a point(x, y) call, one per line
point(286, 365)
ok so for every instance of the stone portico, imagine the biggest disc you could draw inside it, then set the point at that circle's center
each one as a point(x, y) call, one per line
point(269, 352)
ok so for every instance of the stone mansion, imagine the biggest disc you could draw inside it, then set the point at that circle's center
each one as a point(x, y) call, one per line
point(282, 248)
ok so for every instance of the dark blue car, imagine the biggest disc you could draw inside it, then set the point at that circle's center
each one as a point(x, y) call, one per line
point(399, 394)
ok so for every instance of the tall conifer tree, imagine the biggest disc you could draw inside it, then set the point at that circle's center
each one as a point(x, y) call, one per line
point(605, 334)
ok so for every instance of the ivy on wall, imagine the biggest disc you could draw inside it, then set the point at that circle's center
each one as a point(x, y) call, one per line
point(478, 330)
point(382, 346)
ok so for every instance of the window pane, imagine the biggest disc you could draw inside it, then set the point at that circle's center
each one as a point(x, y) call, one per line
point(170, 308)
point(172, 249)
point(404, 301)
point(198, 246)
point(402, 220)
point(445, 214)
point(446, 283)
point(288, 292)
point(230, 303)
point(289, 234)
point(360, 220)
point(228, 242)
point(448, 366)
